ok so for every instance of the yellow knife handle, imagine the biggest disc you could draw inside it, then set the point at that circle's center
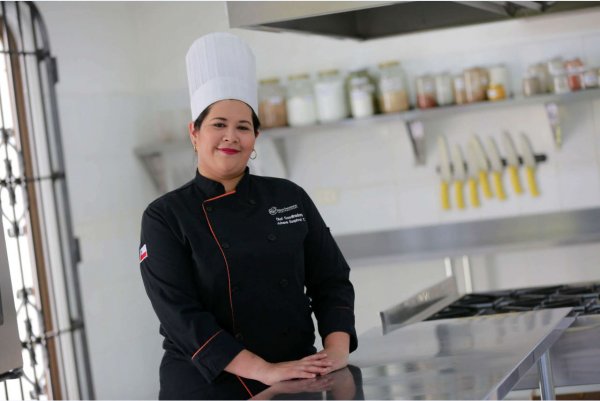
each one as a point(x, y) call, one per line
point(473, 195)
point(498, 188)
point(445, 192)
point(458, 189)
point(530, 173)
point(485, 184)
point(514, 179)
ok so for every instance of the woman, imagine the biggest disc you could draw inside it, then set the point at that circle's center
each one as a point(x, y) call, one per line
point(225, 258)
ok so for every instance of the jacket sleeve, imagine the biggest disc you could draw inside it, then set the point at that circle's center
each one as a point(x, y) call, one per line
point(327, 277)
point(167, 273)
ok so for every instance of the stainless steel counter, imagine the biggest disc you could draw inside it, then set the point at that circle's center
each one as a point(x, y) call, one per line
point(482, 357)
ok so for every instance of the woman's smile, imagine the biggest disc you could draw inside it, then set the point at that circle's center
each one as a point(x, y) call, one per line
point(229, 151)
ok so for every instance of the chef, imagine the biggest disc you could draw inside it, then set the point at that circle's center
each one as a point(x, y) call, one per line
point(235, 264)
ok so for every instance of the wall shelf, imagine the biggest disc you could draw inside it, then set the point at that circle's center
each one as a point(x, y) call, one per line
point(413, 119)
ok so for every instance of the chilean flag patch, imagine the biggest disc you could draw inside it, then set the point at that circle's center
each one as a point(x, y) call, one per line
point(143, 253)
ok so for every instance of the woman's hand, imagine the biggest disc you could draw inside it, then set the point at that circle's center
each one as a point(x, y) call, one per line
point(337, 349)
point(306, 368)
point(315, 385)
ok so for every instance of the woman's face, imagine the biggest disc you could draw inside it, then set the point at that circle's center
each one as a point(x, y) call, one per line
point(225, 139)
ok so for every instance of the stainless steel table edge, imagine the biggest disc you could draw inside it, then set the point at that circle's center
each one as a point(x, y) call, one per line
point(512, 378)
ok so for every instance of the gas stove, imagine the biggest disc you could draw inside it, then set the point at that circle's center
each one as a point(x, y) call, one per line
point(584, 299)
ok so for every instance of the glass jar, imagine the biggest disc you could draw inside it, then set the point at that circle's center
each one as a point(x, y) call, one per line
point(540, 71)
point(300, 101)
point(392, 93)
point(361, 91)
point(330, 96)
point(560, 79)
point(271, 108)
point(574, 70)
point(426, 97)
point(556, 66)
point(498, 88)
point(444, 94)
point(531, 85)
point(476, 82)
point(458, 86)
point(589, 78)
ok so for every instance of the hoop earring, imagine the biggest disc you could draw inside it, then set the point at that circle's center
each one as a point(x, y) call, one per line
point(194, 145)
point(255, 154)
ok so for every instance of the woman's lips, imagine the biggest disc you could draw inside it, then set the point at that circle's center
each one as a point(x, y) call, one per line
point(229, 151)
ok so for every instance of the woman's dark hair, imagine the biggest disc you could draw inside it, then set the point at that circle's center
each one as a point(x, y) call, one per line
point(202, 116)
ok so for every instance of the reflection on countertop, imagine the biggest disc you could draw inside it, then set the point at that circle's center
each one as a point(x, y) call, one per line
point(480, 357)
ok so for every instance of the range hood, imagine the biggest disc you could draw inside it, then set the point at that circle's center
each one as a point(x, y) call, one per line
point(363, 20)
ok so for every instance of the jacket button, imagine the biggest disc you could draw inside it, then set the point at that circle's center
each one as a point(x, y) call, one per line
point(208, 208)
point(271, 237)
point(239, 337)
point(252, 201)
point(235, 288)
point(225, 245)
point(286, 331)
point(283, 283)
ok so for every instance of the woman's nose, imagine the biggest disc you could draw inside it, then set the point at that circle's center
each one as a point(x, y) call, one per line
point(230, 136)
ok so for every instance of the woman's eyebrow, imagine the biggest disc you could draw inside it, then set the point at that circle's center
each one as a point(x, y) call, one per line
point(224, 119)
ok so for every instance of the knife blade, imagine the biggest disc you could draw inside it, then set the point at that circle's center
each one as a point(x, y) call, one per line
point(497, 168)
point(483, 166)
point(529, 161)
point(459, 175)
point(445, 171)
point(472, 168)
point(513, 162)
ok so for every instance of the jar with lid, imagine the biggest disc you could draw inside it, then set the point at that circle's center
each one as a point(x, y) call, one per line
point(476, 82)
point(426, 97)
point(540, 71)
point(271, 108)
point(458, 87)
point(556, 66)
point(560, 79)
point(531, 85)
point(444, 94)
point(330, 96)
point(361, 92)
point(392, 92)
point(498, 84)
point(300, 101)
point(574, 70)
point(589, 78)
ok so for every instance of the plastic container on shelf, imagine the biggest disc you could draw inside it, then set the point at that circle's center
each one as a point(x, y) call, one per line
point(392, 92)
point(590, 78)
point(531, 85)
point(540, 70)
point(426, 97)
point(271, 108)
point(300, 101)
point(476, 83)
point(330, 96)
point(444, 93)
point(574, 69)
point(498, 87)
point(361, 92)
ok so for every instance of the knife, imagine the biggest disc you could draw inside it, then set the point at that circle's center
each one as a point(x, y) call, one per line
point(458, 165)
point(512, 161)
point(483, 164)
point(472, 167)
point(445, 172)
point(496, 163)
point(529, 161)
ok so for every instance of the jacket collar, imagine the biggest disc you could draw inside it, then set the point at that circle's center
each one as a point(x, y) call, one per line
point(212, 188)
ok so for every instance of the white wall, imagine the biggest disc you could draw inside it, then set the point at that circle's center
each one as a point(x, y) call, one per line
point(123, 84)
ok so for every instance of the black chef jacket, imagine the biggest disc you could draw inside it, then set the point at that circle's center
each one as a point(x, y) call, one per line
point(228, 271)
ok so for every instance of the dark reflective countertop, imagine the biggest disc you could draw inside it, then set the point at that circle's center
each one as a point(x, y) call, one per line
point(480, 357)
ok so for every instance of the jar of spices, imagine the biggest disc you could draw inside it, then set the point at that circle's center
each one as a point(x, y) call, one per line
point(361, 91)
point(426, 97)
point(531, 85)
point(392, 93)
point(498, 88)
point(458, 87)
point(556, 66)
point(330, 96)
point(540, 71)
point(271, 108)
point(560, 79)
point(300, 102)
point(476, 82)
point(444, 93)
point(574, 70)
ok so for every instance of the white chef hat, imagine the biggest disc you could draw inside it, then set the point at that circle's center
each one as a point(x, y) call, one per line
point(220, 66)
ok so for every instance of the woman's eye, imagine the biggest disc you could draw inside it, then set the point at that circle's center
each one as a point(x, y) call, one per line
point(243, 128)
point(219, 125)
